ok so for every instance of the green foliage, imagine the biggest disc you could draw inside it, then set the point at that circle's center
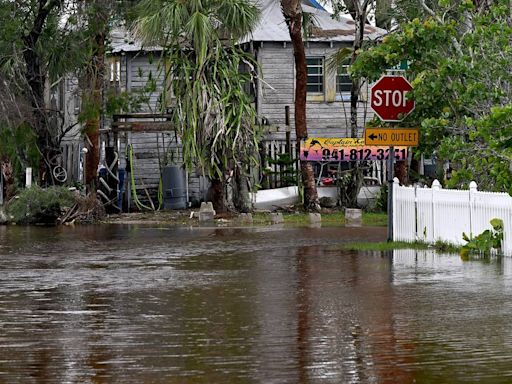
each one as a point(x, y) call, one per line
point(287, 173)
point(213, 114)
point(459, 66)
point(19, 146)
point(485, 241)
point(36, 205)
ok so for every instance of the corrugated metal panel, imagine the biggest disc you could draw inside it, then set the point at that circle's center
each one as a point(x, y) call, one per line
point(272, 27)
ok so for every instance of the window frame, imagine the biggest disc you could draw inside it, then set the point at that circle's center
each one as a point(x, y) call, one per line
point(343, 95)
point(321, 75)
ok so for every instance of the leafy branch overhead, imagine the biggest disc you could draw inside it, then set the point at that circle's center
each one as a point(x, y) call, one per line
point(459, 57)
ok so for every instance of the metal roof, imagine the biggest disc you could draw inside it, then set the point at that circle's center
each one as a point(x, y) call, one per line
point(272, 27)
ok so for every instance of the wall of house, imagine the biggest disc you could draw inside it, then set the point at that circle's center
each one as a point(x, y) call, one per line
point(152, 151)
point(327, 115)
point(146, 78)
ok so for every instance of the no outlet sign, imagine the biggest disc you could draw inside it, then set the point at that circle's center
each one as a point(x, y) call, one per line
point(389, 98)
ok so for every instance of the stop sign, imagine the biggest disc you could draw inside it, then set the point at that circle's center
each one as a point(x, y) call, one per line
point(389, 98)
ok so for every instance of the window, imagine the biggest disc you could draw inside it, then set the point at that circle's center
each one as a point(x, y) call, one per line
point(115, 70)
point(315, 68)
point(343, 80)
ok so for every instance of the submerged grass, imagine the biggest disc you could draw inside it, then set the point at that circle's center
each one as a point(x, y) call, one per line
point(383, 246)
point(331, 218)
point(393, 245)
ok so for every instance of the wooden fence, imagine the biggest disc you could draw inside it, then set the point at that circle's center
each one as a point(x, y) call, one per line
point(432, 214)
point(279, 163)
point(71, 161)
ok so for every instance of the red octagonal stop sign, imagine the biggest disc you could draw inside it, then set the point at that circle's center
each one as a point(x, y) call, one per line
point(389, 98)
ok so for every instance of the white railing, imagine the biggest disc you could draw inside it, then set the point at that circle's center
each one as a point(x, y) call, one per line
point(435, 214)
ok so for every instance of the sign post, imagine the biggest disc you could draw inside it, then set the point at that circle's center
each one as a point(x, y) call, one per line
point(390, 102)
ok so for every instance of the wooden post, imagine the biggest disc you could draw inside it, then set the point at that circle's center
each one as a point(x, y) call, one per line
point(288, 130)
point(391, 171)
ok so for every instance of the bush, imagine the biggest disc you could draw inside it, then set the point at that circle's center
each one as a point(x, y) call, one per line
point(485, 241)
point(36, 205)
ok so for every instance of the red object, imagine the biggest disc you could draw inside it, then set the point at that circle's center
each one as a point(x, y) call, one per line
point(389, 98)
point(327, 181)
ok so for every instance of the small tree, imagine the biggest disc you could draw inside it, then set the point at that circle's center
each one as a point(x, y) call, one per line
point(459, 56)
point(358, 10)
point(37, 48)
point(212, 113)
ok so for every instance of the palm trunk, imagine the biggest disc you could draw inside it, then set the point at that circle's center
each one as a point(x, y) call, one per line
point(292, 12)
point(216, 195)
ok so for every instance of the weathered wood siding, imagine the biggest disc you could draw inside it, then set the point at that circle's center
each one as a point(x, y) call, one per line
point(326, 118)
point(143, 71)
point(152, 152)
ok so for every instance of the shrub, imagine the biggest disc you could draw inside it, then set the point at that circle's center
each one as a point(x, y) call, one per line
point(485, 241)
point(36, 205)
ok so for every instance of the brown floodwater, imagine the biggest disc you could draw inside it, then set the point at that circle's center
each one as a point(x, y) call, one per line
point(141, 304)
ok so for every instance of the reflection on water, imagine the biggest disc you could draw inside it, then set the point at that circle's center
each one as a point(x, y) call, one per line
point(132, 304)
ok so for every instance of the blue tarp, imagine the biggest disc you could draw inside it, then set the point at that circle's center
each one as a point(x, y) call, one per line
point(315, 4)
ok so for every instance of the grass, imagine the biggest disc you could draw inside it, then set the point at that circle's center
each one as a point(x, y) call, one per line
point(334, 218)
point(375, 219)
point(383, 246)
point(393, 245)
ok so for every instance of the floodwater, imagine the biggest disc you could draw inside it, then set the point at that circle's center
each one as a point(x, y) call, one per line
point(139, 304)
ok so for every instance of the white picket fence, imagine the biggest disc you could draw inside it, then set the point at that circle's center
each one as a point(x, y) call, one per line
point(432, 214)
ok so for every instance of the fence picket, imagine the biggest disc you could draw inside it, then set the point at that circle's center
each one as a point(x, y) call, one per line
point(441, 214)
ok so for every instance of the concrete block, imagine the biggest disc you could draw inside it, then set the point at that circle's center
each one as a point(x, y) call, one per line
point(276, 218)
point(207, 207)
point(353, 217)
point(314, 218)
point(206, 216)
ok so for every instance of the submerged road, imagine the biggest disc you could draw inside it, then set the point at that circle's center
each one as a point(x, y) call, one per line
point(140, 304)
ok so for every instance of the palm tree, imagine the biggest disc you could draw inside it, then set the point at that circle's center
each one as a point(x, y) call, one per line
point(212, 112)
point(292, 12)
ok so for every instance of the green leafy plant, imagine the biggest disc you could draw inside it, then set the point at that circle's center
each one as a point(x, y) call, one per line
point(458, 67)
point(287, 173)
point(36, 205)
point(486, 241)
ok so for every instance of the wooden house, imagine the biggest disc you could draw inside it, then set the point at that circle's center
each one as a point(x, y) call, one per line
point(328, 97)
point(139, 71)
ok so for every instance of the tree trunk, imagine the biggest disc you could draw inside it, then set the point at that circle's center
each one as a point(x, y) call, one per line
point(96, 78)
point(216, 195)
point(36, 78)
point(383, 12)
point(241, 198)
point(8, 176)
point(354, 92)
point(358, 12)
point(292, 13)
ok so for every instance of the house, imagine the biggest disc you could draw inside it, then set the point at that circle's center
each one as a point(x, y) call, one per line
point(328, 107)
point(138, 70)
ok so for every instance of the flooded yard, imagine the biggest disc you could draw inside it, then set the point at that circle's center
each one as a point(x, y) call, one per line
point(140, 304)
